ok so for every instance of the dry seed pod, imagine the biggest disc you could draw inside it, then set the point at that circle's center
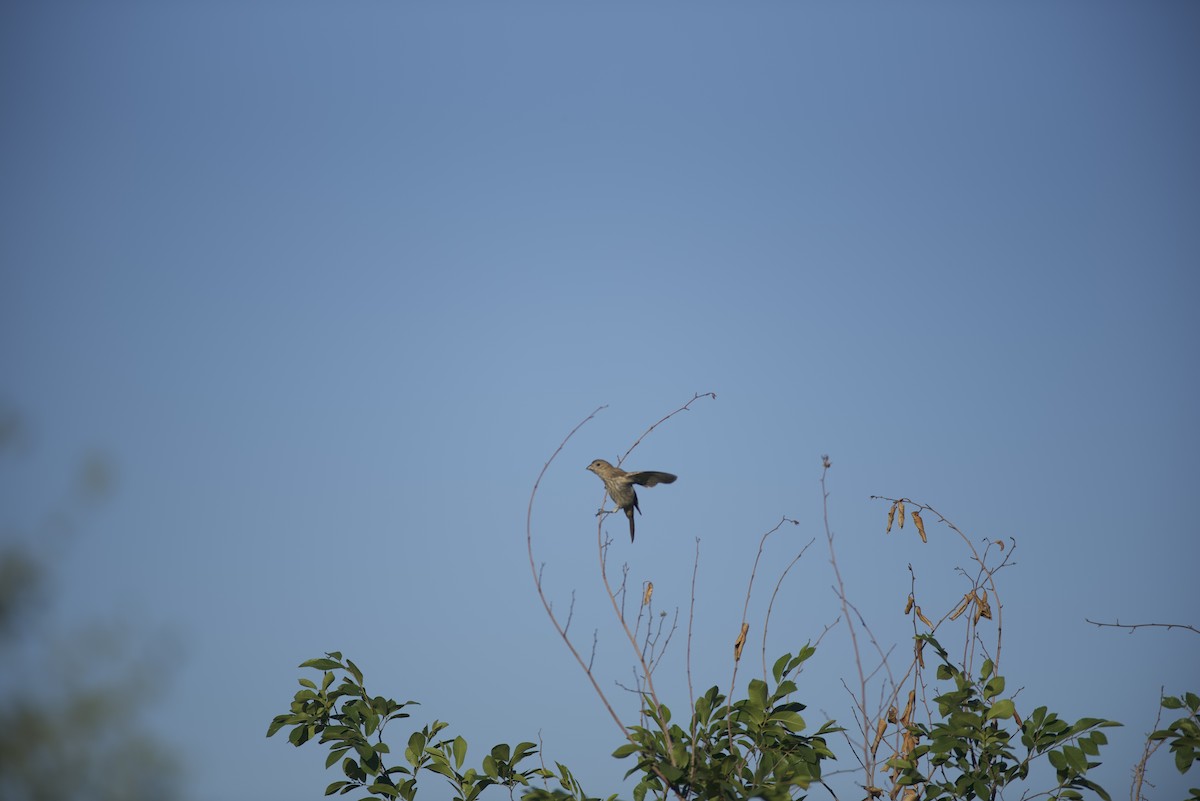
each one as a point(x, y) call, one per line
point(908, 744)
point(906, 718)
point(741, 641)
point(891, 716)
point(909, 605)
point(924, 619)
point(1001, 544)
point(920, 524)
point(879, 727)
point(900, 509)
point(962, 606)
point(874, 792)
point(891, 518)
point(1017, 718)
point(909, 795)
point(649, 591)
point(920, 653)
point(985, 609)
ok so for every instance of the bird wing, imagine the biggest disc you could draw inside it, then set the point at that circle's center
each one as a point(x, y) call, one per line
point(648, 478)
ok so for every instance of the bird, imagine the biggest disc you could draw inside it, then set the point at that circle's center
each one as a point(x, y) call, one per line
point(619, 485)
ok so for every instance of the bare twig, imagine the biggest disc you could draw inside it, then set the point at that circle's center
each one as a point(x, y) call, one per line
point(860, 712)
point(745, 611)
point(645, 660)
point(684, 408)
point(750, 589)
point(1134, 626)
point(1139, 770)
point(771, 603)
point(688, 660)
point(537, 576)
point(647, 671)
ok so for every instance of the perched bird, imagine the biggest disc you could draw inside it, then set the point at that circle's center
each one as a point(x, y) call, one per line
point(619, 485)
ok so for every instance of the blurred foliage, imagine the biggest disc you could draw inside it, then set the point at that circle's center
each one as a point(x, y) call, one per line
point(71, 702)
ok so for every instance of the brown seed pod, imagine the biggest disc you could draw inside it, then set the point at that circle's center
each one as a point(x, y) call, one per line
point(906, 718)
point(924, 619)
point(891, 518)
point(909, 604)
point(900, 509)
point(920, 524)
point(879, 727)
point(920, 653)
point(649, 592)
point(740, 642)
point(985, 609)
point(962, 606)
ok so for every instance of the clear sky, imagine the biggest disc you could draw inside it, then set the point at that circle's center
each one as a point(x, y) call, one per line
point(329, 282)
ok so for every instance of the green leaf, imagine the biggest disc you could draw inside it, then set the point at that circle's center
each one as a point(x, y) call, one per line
point(625, 750)
point(489, 767)
point(791, 720)
point(1095, 788)
point(522, 750)
point(352, 770)
point(1075, 758)
point(1171, 702)
point(322, 664)
point(1001, 710)
point(1083, 724)
point(460, 752)
point(757, 693)
point(335, 786)
point(277, 723)
point(780, 666)
point(335, 755)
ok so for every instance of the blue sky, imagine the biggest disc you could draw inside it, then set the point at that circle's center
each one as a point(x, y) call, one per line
point(329, 283)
